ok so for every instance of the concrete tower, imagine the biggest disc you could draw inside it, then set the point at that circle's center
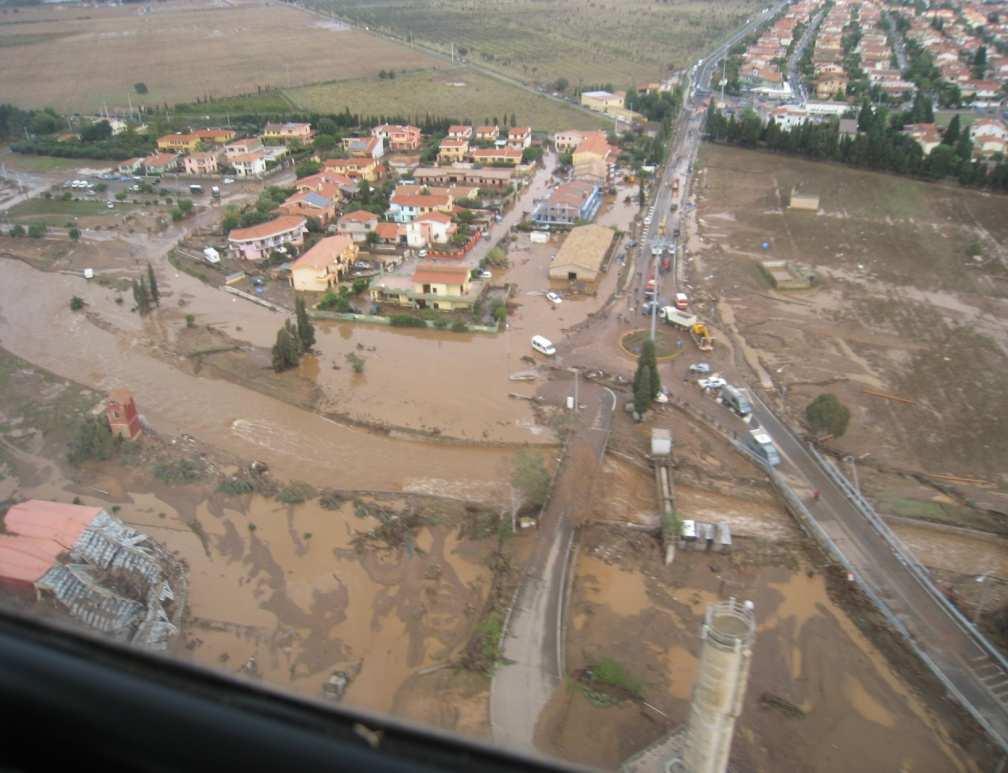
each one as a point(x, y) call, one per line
point(725, 656)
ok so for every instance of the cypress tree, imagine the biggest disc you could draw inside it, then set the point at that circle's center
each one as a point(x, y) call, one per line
point(155, 294)
point(951, 136)
point(649, 361)
point(642, 392)
point(305, 329)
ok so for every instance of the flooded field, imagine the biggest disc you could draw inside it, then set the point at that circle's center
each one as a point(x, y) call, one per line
point(850, 700)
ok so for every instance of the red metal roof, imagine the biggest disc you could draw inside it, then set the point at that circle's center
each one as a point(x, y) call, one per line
point(25, 559)
point(50, 520)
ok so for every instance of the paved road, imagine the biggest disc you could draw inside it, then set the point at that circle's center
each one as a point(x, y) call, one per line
point(533, 644)
point(947, 642)
point(897, 41)
point(794, 77)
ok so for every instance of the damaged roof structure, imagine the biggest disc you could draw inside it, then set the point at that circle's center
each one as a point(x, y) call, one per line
point(95, 568)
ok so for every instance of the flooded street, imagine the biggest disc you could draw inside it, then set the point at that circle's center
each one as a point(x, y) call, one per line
point(36, 323)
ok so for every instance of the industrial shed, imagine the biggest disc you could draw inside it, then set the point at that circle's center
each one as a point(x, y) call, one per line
point(582, 255)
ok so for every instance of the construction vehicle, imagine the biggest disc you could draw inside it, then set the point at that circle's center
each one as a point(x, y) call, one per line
point(675, 317)
point(701, 335)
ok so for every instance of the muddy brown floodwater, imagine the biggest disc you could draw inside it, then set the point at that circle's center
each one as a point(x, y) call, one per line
point(857, 711)
point(36, 323)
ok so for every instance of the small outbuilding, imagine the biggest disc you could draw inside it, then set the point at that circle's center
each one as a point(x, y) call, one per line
point(803, 201)
point(582, 255)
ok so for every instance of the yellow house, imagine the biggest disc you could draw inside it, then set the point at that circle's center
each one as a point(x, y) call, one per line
point(325, 265)
point(179, 142)
point(357, 168)
point(432, 286)
point(594, 158)
point(452, 150)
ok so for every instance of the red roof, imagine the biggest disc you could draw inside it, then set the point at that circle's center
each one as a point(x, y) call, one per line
point(50, 520)
point(437, 217)
point(26, 559)
point(326, 252)
point(277, 225)
point(431, 273)
point(387, 230)
point(359, 216)
point(420, 199)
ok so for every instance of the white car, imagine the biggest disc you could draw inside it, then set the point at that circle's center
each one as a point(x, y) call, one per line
point(110, 205)
point(422, 253)
point(647, 220)
point(699, 367)
point(228, 180)
point(553, 297)
point(714, 382)
point(485, 275)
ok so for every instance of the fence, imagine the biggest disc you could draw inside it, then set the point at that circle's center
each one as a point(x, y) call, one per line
point(380, 320)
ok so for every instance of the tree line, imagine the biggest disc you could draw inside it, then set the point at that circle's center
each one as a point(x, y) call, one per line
point(878, 145)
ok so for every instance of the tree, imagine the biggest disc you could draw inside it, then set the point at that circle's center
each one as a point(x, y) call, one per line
point(532, 153)
point(141, 296)
point(17, 231)
point(96, 132)
point(94, 440)
point(307, 168)
point(514, 120)
point(980, 63)
point(285, 354)
point(371, 239)
point(530, 478)
point(561, 84)
point(37, 230)
point(76, 303)
point(140, 88)
point(186, 205)
point(155, 294)
point(951, 135)
point(827, 414)
point(649, 360)
point(641, 196)
point(73, 233)
point(642, 391)
point(305, 328)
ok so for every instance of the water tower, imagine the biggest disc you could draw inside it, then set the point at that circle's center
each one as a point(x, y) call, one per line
point(726, 653)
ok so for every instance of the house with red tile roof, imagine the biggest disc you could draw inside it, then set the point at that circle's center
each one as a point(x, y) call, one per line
point(357, 224)
point(399, 138)
point(257, 241)
point(325, 265)
point(310, 204)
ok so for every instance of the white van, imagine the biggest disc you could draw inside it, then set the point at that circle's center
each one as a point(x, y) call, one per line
point(543, 346)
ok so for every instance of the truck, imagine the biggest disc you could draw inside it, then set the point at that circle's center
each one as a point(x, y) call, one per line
point(674, 317)
point(734, 399)
point(194, 189)
point(701, 337)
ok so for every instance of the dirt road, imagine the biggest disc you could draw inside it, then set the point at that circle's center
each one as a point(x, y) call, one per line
point(533, 640)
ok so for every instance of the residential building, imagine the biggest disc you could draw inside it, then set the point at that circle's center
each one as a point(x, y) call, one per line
point(989, 135)
point(249, 164)
point(365, 147)
point(215, 136)
point(927, 135)
point(325, 265)
point(355, 168)
point(257, 241)
point(510, 156)
point(243, 147)
point(602, 101)
point(160, 163)
point(405, 207)
point(130, 165)
point(203, 164)
point(310, 204)
point(789, 117)
point(432, 228)
point(287, 132)
point(460, 132)
point(569, 203)
point(399, 138)
point(487, 134)
point(594, 158)
point(433, 286)
point(487, 177)
point(401, 164)
point(179, 142)
point(519, 137)
point(828, 86)
point(357, 224)
point(452, 150)
point(391, 233)
point(582, 254)
point(564, 142)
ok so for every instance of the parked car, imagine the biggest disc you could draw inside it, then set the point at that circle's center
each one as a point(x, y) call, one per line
point(228, 180)
point(713, 382)
point(422, 253)
point(543, 345)
point(699, 367)
point(484, 274)
point(553, 297)
point(110, 205)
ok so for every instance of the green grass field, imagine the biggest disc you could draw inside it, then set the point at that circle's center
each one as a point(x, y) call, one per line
point(55, 212)
point(22, 162)
point(623, 43)
point(457, 93)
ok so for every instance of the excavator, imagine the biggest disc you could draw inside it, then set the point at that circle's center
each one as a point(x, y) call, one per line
point(701, 337)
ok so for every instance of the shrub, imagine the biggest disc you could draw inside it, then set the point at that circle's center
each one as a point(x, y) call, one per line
point(296, 492)
point(190, 320)
point(76, 303)
point(360, 285)
point(440, 323)
point(179, 471)
point(37, 230)
point(121, 196)
point(333, 302)
point(406, 320)
point(827, 414)
point(530, 477)
point(235, 485)
point(458, 326)
point(93, 440)
point(17, 231)
point(612, 673)
point(140, 88)
point(74, 233)
point(356, 362)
